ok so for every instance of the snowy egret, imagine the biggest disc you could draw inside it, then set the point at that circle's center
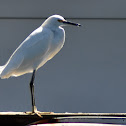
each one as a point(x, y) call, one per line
point(39, 47)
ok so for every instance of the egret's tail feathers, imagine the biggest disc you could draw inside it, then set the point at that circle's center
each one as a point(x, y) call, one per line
point(1, 69)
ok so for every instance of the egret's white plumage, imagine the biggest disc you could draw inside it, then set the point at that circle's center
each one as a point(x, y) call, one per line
point(39, 47)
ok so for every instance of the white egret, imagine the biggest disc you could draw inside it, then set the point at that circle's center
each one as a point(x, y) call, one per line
point(39, 47)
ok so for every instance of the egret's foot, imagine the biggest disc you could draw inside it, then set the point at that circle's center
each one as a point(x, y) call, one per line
point(35, 111)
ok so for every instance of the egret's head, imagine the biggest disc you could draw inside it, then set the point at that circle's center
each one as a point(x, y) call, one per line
point(57, 20)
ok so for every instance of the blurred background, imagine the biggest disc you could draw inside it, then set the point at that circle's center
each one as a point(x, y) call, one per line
point(87, 75)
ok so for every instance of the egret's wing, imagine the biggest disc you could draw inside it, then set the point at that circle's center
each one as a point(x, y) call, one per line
point(34, 46)
point(40, 34)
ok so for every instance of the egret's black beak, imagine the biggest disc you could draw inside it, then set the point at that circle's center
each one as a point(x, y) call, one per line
point(71, 23)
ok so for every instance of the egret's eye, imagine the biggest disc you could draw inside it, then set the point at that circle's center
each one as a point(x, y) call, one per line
point(60, 20)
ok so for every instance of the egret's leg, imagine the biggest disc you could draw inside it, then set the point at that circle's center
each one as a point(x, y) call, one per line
point(32, 92)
